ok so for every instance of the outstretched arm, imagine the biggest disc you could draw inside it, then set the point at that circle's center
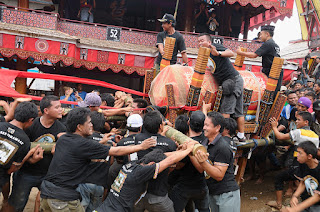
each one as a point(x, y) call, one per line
point(125, 150)
point(226, 53)
point(176, 157)
point(246, 54)
point(279, 135)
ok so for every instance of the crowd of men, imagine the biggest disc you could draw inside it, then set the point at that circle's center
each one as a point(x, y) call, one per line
point(81, 160)
point(93, 168)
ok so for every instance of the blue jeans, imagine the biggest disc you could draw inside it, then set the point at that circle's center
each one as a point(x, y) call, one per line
point(22, 185)
point(180, 196)
point(91, 195)
point(226, 202)
point(85, 15)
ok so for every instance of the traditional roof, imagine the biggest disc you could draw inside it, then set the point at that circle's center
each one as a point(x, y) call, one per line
point(295, 50)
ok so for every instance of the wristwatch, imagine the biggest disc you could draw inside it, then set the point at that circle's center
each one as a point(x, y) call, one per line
point(219, 53)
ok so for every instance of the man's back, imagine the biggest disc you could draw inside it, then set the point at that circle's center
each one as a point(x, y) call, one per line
point(159, 186)
point(69, 166)
point(127, 188)
point(14, 145)
point(268, 51)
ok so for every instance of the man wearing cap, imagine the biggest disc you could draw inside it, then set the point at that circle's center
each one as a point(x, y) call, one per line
point(134, 126)
point(303, 104)
point(168, 25)
point(93, 102)
point(310, 82)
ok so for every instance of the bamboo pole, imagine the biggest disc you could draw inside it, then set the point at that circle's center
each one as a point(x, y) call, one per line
point(262, 142)
point(168, 52)
point(181, 138)
point(116, 118)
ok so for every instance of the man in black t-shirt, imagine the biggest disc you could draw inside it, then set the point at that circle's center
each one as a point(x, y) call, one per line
point(44, 129)
point(202, 17)
point(70, 165)
point(191, 184)
point(92, 190)
point(268, 50)
point(156, 198)
point(134, 126)
point(168, 25)
point(15, 144)
point(229, 78)
point(10, 111)
point(309, 176)
point(134, 179)
point(224, 192)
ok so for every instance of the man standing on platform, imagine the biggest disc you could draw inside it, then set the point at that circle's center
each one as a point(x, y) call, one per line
point(268, 50)
point(168, 25)
point(230, 80)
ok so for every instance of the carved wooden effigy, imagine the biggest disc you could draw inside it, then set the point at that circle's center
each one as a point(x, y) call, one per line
point(168, 51)
point(267, 98)
point(217, 100)
point(198, 76)
point(148, 77)
point(312, 65)
point(275, 112)
point(208, 98)
point(172, 114)
point(247, 94)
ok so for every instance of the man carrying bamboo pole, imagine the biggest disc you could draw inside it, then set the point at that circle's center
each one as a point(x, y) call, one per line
point(224, 192)
point(69, 166)
point(168, 25)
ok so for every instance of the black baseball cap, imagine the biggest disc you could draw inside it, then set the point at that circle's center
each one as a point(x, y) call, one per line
point(267, 28)
point(167, 18)
point(316, 105)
